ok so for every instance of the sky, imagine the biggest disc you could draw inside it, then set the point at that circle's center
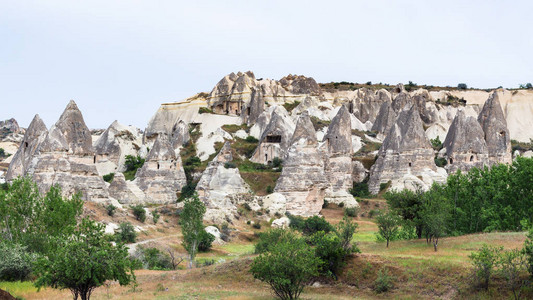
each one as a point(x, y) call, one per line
point(119, 60)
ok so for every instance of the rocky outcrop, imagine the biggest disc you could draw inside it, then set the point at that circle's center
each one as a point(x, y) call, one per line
point(179, 135)
point(126, 192)
point(220, 180)
point(162, 176)
point(35, 135)
point(255, 107)
point(385, 119)
point(10, 131)
point(367, 103)
point(112, 147)
point(303, 181)
point(338, 162)
point(405, 151)
point(298, 84)
point(401, 101)
point(465, 144)
point(494, 126)
point(275, 139)
point(66, 158)
point(232, 93)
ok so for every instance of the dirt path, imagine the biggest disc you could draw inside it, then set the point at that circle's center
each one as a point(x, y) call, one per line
point(133, 247)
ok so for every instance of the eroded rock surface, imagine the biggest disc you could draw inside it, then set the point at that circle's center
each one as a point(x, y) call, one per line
point(494, 126)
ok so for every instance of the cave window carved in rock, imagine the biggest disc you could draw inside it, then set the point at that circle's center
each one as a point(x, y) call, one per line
point(273, 138)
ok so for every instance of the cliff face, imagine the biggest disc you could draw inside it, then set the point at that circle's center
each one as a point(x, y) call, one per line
point(494, 126)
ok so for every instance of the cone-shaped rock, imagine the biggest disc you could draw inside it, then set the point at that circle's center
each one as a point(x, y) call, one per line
point(220, 180)
point(405, 151)
point(77, 134)
point(465, 144)
point(494, 126)
point(180, 134)
point(275, 139)
point(162, 175)
point(35, 135)
point(338, 163)
point(385, 119)
point(126, 192)
point(402, 101)
point(303, 181)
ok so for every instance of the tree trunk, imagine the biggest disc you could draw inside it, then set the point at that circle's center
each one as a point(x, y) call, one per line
point(387, 243)
point(435, 243)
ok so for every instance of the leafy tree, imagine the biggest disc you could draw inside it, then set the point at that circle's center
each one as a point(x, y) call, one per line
point(132, 163)
point(268, 240)
point(329, 248)
point(407, 204)
point(206, 240)
point(125, 233)
point(192, 226)
point(345, 230)
point(154, 259)
point(435, 214)
point(462, 86)
point(484, 262)
point(310, 225)
point(84, 261)
point(30, 219)
point(15, 263)
point(287, 268)
point(388, 225)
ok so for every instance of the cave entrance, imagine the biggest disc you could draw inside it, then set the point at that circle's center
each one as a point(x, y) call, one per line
point(273, 138)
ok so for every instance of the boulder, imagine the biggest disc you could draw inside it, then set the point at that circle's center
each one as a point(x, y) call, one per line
point(465, 144)
point(214, 232)
point(282, 222)
point(494, 126)
point(303, 181)
point(162, 176)
point(405, 150)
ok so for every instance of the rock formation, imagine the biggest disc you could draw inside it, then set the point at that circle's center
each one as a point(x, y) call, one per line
point(220, 180)
point(35, 135)
point(405, 151)
point(275, 139)
point(302, 181)
point(66, 157)
point(162, 176)
point(465, 144)
point(401, 101)
point(114, 144)
point(385, 119)
point(255, 107)
point(179, 135)
point(298, 84)
point(126, 192)
point(494, 126)
point(338, 163)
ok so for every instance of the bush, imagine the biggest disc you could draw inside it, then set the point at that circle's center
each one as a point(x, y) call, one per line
point(251, 139)
point(204, 110)
point(310, 225)
point(139, 212)
point(462, 86)
point(225, 232)
point(110, 210)
point(277, 162)
point(436, 143)
point(269, 189)
point(384, 281)
point(528, 251)
point(125, 233)
point(153, 259)
point(132, 163)
point(205, 241)
point(230, 165)
point(325, 204)
point(360, 189)
point(155, 216)
point(441, 162)
point(511, 265)
point(15, 262)
point(341, 205)
point(351, 211)
point(256, 225)
point(287, 268)
point(484, 262)
point(109, 177)
point(384, 185)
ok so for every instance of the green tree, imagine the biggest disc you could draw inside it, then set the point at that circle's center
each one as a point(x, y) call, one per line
point(139, 212)
point(407, 204)
point(528, 251)
point(84, 261)
point(435, 214)
point(511, 264)
point(125, 233)
point(192, 226)
point(287, 268)
point(388, 225)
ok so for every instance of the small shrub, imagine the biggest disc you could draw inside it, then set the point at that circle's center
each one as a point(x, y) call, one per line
point(325, 204)
point(512, 263)
point(204, 110)
point(247, 206)
point(351, 211)
point(109, 177)
point(225, 232)
point(251, 139)
point(230, 165)
point(206, 241)
point(462, 86)
point(153, 259)
point(290, 106)
point(269, 239)
point(383, 186)
point(139, 212)
point(256, 225)
point(277, 162)
point(360, 189)
point(205, 263)
point(384, 281)
point(269, 189)
point(310, 225)
point(436, 143)
point(484, 262)
point(125, 233)
point(341, 205)
point(528, 251)
point(111, 210)
point(441, 162)
point(372, 213)
point(155, 216)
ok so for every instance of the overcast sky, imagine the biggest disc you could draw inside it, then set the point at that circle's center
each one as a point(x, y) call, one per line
point(121, 59)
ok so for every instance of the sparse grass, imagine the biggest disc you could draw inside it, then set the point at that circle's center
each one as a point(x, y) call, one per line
point(319, 124)
point(232, 128)
point(290, 106)
point(260, 181)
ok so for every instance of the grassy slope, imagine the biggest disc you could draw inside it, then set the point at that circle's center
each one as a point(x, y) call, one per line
point(419, 271)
